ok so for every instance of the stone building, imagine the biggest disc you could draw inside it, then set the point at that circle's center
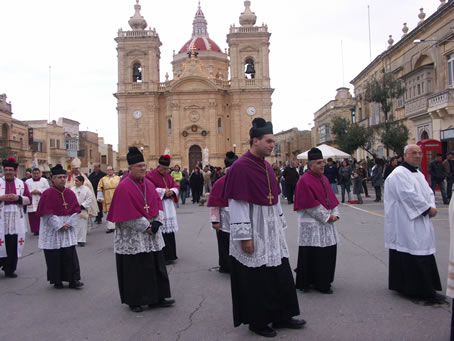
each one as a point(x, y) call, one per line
point(48, 146)
point(423, 59)
point(290, 143)
point(71, 134)
point(200, 108)
point(343, 105)
point(106, 155)
point(14, 136)
point(88, 150)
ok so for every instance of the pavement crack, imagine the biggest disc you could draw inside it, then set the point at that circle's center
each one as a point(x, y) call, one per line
point(362, 248)
point(191, 315)
point(31, 254)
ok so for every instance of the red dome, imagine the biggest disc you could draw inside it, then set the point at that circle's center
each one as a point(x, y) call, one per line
point(201, 44)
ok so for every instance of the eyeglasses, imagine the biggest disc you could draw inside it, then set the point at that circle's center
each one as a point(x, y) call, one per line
point(416, 153)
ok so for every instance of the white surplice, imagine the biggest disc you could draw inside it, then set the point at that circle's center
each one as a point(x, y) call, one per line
point(41, 186)
point(314, 229)
point(265, 226)
point(52, 237)
point(221, 215)
point(407, 197)
point(170, 223)
point(84, 197)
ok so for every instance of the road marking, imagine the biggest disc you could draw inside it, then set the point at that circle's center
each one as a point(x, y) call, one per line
point(360, 209)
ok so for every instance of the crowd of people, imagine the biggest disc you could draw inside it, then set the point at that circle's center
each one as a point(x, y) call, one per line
point(244, 200)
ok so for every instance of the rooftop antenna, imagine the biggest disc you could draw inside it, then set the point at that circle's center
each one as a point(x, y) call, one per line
point(370, 44)
point(50, 69)
point(342, 59)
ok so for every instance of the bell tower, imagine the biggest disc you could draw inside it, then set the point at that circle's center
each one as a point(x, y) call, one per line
point(250, 74)
point(138, 56)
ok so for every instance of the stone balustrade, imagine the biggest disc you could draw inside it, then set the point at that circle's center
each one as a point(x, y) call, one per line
point(137, 34)
point(249, 29)
point(441, 99)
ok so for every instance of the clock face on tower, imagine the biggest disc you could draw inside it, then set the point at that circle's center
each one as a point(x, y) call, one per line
point(137, 114)
point(251, 110)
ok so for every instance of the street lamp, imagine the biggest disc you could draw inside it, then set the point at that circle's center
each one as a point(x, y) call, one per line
point(234, 148)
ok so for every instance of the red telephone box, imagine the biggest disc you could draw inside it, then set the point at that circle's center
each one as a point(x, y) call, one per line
point(430, 148)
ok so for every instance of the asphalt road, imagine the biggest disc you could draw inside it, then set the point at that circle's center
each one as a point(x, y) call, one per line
point(361, 308)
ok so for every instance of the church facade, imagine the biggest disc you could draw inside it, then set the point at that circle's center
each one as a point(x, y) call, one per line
point(207, 107)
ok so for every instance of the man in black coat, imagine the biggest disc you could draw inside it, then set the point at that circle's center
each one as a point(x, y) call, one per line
point(437, 176)
point(94, 178)
point(291, 177)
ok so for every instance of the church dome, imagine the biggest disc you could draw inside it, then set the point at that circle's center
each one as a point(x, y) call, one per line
point(200, 44)
point(200, 39)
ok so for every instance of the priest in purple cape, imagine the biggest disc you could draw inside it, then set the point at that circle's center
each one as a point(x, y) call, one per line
point(14, 195)
point(263, 289)
point(219, 215)
point(317, 208)
point(168, 190)
point(59, 210)
point(136, 210)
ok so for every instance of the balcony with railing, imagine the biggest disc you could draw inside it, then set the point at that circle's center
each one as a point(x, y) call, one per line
point(57, 152)
point(416, 106)
point(137, 34)
point(441, 100)
point(10, 144)
point(249, 29)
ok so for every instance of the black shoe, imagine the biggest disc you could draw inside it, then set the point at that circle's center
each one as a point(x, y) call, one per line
point(136, 308)
point(75, 285)
point(36, 233)
point(166, 302)
point(265, 331)
point(109, 231)
point(326, 291)
point(10, 275)
point(58, 285)
point(81, 244)
point(291, 323)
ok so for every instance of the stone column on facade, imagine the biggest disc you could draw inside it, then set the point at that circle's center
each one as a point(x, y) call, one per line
point(236, 127)
point(175, 138)
point(122, 133)
point(212, 129)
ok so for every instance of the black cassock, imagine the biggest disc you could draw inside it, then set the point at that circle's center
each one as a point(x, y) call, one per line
point(62, 265)
point(262, 295)
point(170, 248)
point(142, 278)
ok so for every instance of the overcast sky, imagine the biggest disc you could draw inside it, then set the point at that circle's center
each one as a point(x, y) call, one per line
point(77, 39)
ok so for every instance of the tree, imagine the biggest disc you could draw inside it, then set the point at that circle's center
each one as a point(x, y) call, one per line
point(350, 137)
point(383, 91)
point(394, 136)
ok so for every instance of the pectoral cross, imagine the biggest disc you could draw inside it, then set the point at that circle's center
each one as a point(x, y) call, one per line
point(270, 197)
point(146, 207)
point(65, 204)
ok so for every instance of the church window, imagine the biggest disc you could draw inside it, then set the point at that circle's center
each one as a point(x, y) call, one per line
point(52, 143)
point(353, 115)
point(169, 127)
point(137, 73)
point(249, 69)
point(219, 125)
point(58, 143)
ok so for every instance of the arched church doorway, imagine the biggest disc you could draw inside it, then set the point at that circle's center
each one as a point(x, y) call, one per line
point(195, 156)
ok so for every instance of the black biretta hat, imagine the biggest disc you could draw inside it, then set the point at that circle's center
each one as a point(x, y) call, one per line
point(230, 158)
point(314, 154)
point(260, 127)
point(58, 169)
point(134, 156)
point(10, 162)
point(164, 160)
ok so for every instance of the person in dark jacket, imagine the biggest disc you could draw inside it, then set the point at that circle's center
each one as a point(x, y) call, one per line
point(437, 176)
point(94, 178)
point(376, 177)
point(291, 177)
point(357, 178)
point(196, 181)
point(331, 172)
point(345, 179)
point(390, 167)
point(184, 187)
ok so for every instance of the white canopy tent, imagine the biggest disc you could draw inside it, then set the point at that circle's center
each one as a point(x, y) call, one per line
point(327, 151)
